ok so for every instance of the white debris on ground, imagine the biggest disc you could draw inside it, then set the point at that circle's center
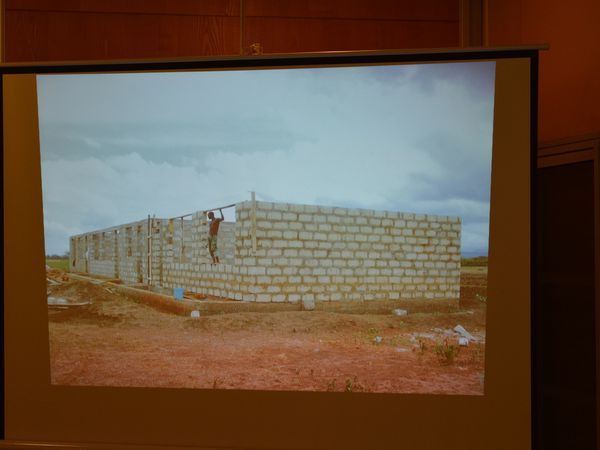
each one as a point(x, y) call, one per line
point(308, 304)
point(57, 301)
point(464, 333)
point(462, 336)
point(463, 341)
point(195, 314)
point(400, 312)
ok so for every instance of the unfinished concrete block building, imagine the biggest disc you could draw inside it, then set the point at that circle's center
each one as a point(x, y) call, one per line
point(281, 252)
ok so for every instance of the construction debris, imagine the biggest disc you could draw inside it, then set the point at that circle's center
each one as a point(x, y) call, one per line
point(464, 333)
point(57, 301)
point(195, 314)
point(63, 303)
point(400, 312)
point(308, 304)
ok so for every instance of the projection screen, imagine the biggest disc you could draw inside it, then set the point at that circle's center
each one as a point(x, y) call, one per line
point(310, 251)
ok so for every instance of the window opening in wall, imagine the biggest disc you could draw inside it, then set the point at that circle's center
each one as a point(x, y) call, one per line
point(106, 246)
point(129, 240)
point(170, 230)
point(181, 237)
point(96, 246)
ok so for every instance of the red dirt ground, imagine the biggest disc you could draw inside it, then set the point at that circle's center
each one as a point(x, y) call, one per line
point(118, 342)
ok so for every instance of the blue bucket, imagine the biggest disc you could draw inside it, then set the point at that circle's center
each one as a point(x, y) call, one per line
point(178, 293)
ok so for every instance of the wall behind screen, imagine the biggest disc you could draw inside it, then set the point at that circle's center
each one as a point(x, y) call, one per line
point(569, 85)
point(43, 30)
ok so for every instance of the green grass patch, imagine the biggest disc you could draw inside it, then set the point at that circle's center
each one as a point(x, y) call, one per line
point(62, 264)
point(478, 261)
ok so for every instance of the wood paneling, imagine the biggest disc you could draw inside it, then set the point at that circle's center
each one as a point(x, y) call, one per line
point(569, 85)
point(42, 30)
point(565, 308)
point(67, 30)
point(407, 10)
point(307, 26)
point(287, 35)
point(183, 7)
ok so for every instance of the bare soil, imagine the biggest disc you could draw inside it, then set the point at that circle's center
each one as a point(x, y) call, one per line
point(116, 341)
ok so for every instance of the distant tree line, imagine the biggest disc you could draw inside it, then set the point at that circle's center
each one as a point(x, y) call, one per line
point(65, 255)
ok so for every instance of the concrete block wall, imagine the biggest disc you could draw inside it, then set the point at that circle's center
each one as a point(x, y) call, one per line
point(133, 250)
point(307, 252)
point(118, 252)
point(303, 253)
point(194, 272)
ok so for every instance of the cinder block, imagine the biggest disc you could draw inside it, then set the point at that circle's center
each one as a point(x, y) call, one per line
point(308, 302)
point(263, 297)
point(256, 270)
point(334, 237)
point(261, 222)
point(305, 253)
point(325, 262)
point(264, 262)
point(290, 235)
point(324, 227)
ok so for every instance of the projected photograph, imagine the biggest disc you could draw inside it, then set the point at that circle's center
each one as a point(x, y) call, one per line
point(315, 229)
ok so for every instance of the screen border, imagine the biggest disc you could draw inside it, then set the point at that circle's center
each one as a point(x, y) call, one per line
point(282, 61)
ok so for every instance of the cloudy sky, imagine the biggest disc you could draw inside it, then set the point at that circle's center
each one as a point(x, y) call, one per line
point(411, 138)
